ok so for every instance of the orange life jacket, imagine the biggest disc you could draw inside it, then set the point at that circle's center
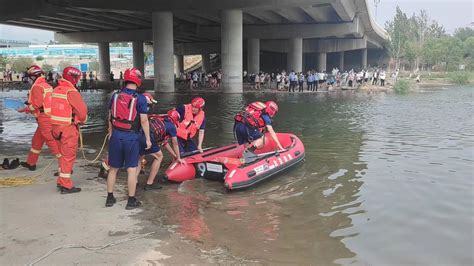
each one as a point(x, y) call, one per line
point(61, 109)
point(190, 124)
point(47, 91)
point(252, 116)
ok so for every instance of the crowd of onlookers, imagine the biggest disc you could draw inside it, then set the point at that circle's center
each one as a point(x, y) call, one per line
point(198, 79)
point(314, 80)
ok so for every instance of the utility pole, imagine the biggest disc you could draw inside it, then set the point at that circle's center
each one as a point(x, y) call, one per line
point(376, 3)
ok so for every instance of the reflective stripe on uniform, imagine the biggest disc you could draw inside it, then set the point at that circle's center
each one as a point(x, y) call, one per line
point(58, 155)
point(59, 95)
point(47, 110)
point(64, 175)
point(62, 119)
point(35, 151)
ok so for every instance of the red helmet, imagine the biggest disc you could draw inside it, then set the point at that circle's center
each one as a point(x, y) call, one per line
point(133, 75)
point(174, 116)
point(149, 98)
point(72, 74)
point(272, 108)
point(34, 71)
point(198, 102)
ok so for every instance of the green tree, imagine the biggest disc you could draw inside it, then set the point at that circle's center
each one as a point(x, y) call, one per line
point(464, 33)
point(62, 65)
point(20, 64)
point(398, 30)
point(47, 67)
point(3, 62)
point(468, 46)
point(93, 65)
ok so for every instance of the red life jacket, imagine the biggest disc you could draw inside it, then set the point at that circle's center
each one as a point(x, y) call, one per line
point(251, 116)
point(158, 128)
point(124, 114)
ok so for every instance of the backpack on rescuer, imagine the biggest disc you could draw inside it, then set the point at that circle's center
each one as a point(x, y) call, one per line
point(158, 128)
point(124, 115)
point(251, 115)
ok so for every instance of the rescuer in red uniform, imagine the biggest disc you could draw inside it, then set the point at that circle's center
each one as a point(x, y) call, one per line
point(39, 105)
point(68, 112)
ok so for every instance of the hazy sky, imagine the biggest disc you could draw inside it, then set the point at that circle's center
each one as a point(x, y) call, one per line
point(449, 13)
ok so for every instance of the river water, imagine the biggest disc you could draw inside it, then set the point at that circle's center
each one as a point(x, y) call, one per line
point(388, 179)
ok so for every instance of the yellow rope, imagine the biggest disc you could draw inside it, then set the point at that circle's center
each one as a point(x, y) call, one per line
point(14, 181)
point(100, 152)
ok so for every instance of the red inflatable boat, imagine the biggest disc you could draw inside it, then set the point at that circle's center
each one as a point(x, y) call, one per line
point(228, 164)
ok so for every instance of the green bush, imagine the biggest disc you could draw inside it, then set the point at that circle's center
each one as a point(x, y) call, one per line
point(403, 86)
point(459, 77)
point(39, 58)
point(20, 64)
point(47, 67)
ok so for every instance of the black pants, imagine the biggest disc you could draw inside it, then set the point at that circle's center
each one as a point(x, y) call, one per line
point(316, 84)
point(300, 89)
point(292, 86)
point(374, 82)
point(382, 82)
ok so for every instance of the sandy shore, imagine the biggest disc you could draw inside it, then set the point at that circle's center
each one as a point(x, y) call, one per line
point(37, 218)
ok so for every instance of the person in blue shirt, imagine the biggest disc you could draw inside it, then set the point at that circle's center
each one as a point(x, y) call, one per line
point(310, 81)
point(161, 130)
point(128, 114)
point(293, 81)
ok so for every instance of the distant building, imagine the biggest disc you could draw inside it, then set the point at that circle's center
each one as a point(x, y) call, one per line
point(4, 43)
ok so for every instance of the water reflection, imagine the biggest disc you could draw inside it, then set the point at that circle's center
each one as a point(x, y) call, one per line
point(387, 179)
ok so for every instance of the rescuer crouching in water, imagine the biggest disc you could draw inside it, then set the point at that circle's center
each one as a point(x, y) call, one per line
point(192, 121)
point(162, 128)
point(128, 114)
point(68, 112)
point(39, 105)
point(251, 123)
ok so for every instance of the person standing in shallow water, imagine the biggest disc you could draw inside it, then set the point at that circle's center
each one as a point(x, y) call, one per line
point(128, 114)
point(192, 121)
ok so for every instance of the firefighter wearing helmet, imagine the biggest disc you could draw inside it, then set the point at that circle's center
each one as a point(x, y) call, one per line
point(251, 124)
point(162, 129)
point(68, 112)
point(39, 105)
point(127, 119)
point(192, 121)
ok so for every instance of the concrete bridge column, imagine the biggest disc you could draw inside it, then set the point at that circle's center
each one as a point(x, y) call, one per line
point(295, 56)
point(206, 63)
point(231, 50)
point(341, 61)
point(364, 58)
point(322, 61)
point(138, 56)
point(253, 55)
point(178, 65)
point(104, 62)
point(163, 50)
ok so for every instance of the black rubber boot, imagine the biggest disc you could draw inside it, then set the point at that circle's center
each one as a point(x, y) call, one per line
point(14, 164)
point(30, 167)
point(110, 201)
point(153, 186)
point(103, 173)
point(6, 163)
point(70, 190)
point(132, 203)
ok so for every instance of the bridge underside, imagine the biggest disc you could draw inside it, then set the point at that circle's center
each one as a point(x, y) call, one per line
point(309, 33)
